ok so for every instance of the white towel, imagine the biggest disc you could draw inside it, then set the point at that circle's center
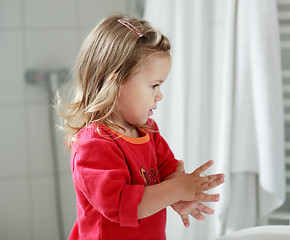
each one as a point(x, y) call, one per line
point(252, 124)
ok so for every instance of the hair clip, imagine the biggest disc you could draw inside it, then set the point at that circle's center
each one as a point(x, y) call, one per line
point(130, 26)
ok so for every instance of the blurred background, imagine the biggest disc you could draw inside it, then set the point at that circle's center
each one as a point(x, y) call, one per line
point(37, 199)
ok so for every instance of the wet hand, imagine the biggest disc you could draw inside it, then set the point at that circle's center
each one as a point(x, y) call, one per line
point(193, 208)
point(194, 185)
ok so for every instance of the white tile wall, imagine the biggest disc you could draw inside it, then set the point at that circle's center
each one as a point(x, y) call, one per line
point(44, 208)
point(11, 62)
point(48, 50)
point(51, 48)
point(39, 139)
point(45, 35)
point(15, 218)
point(52, 13)
point(11, 13)
point(13, 153)
point(89, 16)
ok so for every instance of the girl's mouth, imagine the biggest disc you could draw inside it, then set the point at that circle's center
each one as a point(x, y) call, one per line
point(150, 112)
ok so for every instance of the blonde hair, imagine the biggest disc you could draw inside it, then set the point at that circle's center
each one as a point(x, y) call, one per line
point(109, 55)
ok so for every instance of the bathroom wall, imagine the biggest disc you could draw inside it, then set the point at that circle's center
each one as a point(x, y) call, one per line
point(38, 34)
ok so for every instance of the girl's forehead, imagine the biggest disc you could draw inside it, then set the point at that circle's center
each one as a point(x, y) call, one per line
point(154, 68)
point(154, 61)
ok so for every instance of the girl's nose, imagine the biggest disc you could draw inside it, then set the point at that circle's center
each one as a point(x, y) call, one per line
point(158, 97)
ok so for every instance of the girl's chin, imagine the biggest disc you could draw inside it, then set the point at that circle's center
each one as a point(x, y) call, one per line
point(137, 124)
point(141, 124)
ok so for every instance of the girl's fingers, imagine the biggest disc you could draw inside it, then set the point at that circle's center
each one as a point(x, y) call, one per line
point(205, 209)
point(186, 207)
point(196, 213)
point(212, 184)
point(180, 166)
point(198, 216)
point(185, 220)
point(203, 197)
point(210, 178)
point(203, 167)
point(195, 209)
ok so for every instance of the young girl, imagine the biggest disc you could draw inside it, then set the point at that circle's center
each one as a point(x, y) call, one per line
point(124, 173)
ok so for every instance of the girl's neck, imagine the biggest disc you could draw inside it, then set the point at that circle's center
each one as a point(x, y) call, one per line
point(128, 129)
point(134, 133)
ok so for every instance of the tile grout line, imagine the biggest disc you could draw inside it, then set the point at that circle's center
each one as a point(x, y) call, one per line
point(27, 129)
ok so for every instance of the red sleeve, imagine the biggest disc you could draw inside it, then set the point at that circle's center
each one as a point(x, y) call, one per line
point(167, 163)
point(101, 174)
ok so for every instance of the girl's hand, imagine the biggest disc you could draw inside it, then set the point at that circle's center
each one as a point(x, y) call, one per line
point(193, 185)
point(179, 187)
point(179, 170)
point(193, 208)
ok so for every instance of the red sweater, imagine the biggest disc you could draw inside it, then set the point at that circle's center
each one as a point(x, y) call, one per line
point(109, 174)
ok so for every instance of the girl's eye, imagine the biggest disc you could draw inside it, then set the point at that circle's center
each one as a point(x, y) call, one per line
point(154, 86)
